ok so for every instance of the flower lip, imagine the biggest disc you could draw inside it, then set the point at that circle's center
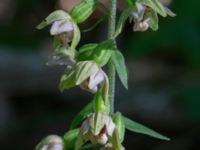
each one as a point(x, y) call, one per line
point(92, 83)
point(61, 26)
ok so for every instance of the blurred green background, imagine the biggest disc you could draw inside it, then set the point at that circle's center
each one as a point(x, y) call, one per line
point(164, 78)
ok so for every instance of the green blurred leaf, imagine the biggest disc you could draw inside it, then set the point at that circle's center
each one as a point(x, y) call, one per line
point(119, 63)
point(139, 128)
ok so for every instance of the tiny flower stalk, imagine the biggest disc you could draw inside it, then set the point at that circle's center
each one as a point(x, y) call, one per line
point(97, 122)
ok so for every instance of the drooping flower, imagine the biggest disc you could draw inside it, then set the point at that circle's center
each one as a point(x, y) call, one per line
point(97, 128)
point(145, 14)
point(91, 84)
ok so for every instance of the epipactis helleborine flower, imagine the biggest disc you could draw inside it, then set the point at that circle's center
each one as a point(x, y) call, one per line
point(97, 128)
point(92, 83)
point(144, 16)
point(64, 29)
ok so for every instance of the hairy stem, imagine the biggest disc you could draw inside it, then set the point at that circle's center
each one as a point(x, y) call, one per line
point(111, 69)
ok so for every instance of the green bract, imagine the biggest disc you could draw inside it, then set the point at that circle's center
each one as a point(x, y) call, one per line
point(100, 53)
point(119, 63)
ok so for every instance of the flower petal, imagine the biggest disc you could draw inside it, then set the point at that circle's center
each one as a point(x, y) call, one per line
point(95, 80)
point(61, 26)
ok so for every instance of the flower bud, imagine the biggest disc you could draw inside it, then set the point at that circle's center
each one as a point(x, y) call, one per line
point(51, 142)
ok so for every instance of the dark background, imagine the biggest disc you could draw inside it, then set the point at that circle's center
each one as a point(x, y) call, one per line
point(164, 78)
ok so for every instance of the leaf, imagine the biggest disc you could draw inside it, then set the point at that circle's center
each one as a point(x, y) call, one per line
point(83, 10)
point(122, 19)
point(84, 69)
point(70, 138)
point(102, 53)
point(119, 63)
point(54, 16)
point(82, 115)
point(139, 128)
point(85, 51)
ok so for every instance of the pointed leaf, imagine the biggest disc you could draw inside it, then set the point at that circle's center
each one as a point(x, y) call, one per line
point(102, 53)
point(139, 128)
point(124, 16)
point(119, 63)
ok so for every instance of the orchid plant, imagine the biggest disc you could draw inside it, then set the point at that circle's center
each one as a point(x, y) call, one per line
point(97, 124)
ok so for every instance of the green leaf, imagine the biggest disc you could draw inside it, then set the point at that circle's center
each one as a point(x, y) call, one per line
point(84, 69)
point(119, 63)
point(54, 16)
point(70, 138)
point(139, 128)
point(85, 51)
point(82, 115)
point(102, 53)
point(83, 10)
point(122, 19)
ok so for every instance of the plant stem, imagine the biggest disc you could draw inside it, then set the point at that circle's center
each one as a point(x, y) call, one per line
point(111, 68)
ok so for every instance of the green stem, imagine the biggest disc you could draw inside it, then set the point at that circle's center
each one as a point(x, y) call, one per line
point(111, 68)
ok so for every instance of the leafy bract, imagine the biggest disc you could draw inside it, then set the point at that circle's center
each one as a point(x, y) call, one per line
point(119, 63)
point(139, 128)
